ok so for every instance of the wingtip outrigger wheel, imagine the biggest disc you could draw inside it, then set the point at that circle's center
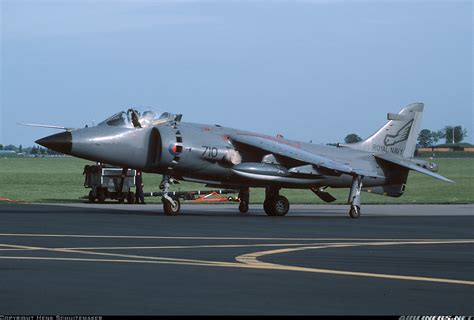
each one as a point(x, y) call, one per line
point(244, 196)
point(244, 207)
point(354, 212)
point(354, 197)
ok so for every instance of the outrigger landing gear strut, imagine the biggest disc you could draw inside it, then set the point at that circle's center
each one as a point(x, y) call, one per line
point(244, 196)
point(354, 197)
point(171, 206)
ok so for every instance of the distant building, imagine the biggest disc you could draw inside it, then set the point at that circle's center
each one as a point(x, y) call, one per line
point(3, 152)
point(449, 147)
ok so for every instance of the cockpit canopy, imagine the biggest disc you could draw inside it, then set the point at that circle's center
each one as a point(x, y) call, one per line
point(133, 118)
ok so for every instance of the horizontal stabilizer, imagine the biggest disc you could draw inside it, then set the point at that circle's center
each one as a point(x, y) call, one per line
point(406, 163)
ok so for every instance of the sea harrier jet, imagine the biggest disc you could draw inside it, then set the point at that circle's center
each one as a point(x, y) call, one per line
point(232, 158)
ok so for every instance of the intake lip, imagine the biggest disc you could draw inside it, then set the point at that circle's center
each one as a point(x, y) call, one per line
point(60, 142)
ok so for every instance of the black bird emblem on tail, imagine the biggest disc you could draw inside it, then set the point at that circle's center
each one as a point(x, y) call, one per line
point(400, 136)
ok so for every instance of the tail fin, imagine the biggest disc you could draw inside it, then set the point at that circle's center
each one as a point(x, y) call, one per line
point(398, 136)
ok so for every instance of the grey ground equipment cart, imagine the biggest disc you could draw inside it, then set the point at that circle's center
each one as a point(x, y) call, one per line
point(106, 181)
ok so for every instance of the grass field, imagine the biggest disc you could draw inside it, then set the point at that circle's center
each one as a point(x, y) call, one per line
point(61, 180)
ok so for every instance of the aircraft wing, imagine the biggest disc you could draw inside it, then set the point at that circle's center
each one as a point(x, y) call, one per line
point(410, 165)
point(284, 148)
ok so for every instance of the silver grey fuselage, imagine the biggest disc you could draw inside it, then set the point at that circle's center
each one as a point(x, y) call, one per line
point(200, 153)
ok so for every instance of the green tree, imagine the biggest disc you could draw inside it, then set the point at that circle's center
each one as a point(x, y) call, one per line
point(34, 150)
point(352, 138)
point(10, 147)
point(425, 138)
point(1, 146)
point(437, 135)
point(454, 134)
point(20, 149)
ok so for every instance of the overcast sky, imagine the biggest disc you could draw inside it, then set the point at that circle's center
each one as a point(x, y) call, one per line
point(311, 70)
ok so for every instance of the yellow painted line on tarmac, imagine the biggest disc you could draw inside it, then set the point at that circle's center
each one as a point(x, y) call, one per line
point(193, 261)
point(257, 265)
point(253, 256)
point(8, 248)
point(217, 246)
point(15, 249)
point(251, 259)
point(111, 260)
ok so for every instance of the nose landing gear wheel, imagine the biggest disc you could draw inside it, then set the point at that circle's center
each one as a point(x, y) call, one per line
point(354, 212)
point(244, 207)
point(169, 208)
point(277, 207)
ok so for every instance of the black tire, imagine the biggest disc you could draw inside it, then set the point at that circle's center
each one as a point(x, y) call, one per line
point(354, 212)
point(280, 206)
point(243, 207)
point(267, 206)
point(169, 209)
point(91, 197)
point(101, 195)
point(130, 198)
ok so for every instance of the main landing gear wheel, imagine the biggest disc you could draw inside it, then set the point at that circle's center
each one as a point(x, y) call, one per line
point(278, 206)
point(354, 212)
point(169, 208)
point(267, 207)
point(243, 207)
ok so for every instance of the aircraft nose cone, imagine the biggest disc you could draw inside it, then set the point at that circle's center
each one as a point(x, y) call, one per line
point(60, 142)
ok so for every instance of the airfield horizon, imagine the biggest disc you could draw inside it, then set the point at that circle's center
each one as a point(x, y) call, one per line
point(60, 180)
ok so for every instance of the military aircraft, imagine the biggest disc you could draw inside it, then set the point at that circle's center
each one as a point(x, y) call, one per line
point(232, 158)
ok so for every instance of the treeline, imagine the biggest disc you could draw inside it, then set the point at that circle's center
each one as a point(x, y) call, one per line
point(428, 138)
point(451, 135)
point(29, 150)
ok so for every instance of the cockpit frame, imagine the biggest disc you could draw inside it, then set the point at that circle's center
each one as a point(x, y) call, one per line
point(135, 119)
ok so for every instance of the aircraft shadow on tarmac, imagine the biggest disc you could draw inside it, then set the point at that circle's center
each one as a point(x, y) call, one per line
point(187, 211)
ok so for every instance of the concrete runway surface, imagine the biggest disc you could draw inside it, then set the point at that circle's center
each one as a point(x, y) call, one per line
point(121, 259)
